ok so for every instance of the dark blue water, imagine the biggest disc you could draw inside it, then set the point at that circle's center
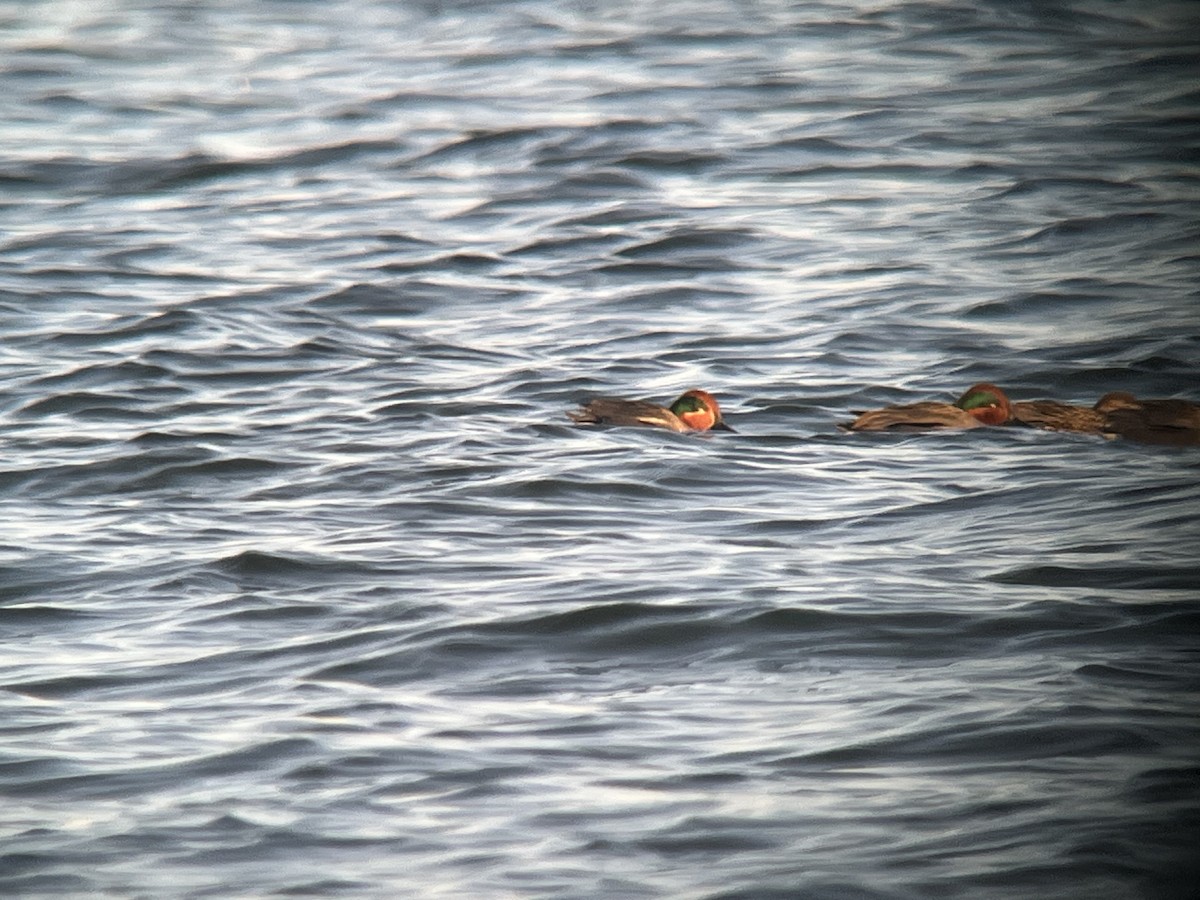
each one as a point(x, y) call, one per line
point(309, 588)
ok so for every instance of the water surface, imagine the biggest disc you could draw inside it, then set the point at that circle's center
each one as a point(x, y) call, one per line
point(309, 588)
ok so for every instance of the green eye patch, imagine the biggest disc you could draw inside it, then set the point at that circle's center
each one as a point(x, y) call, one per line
point(687, 405)
point(978, 400)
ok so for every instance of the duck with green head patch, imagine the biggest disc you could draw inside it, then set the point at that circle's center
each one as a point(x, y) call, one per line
point(982, 404)
point(694, 410)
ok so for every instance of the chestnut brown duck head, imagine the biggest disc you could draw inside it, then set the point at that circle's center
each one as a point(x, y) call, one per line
point(987, 403)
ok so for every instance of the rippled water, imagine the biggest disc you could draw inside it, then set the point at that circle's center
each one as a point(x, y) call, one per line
point(309, 588)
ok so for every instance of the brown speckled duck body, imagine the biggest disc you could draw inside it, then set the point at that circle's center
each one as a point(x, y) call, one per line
point(1051, 415)
point(927, 416)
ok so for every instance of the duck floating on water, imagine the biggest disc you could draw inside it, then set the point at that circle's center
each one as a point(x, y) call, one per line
point(1157, 421)
point(694, 410)
point(981, 404)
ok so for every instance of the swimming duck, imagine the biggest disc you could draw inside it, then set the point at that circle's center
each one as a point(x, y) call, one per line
point(1051, 415)
point(1165, 421)
point(982, 404)
point(694, 410)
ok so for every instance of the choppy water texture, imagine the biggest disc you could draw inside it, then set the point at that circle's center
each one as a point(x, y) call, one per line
point(311, 589)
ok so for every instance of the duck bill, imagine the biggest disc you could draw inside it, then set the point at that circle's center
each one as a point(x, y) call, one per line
point(721, 426)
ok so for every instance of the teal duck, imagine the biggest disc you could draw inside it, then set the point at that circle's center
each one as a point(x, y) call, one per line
point(981, 404)
point(694, 410)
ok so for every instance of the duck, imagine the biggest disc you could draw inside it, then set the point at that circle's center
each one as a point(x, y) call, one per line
point(1155, 421)
point(981, 404)
point(693, 410)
